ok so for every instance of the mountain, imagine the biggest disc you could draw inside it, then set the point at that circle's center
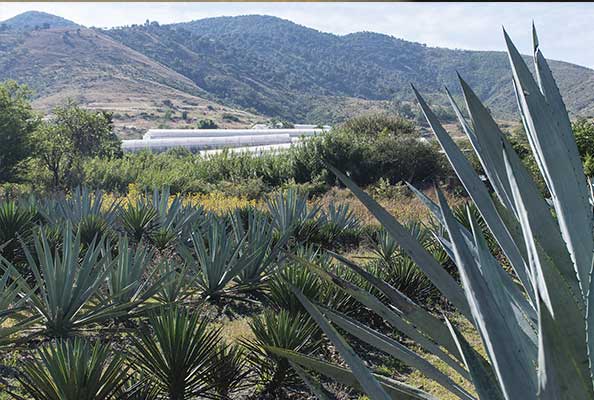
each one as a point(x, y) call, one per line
point(266, 66)
point(32, 19)
point(93, 69)
point(280, 68)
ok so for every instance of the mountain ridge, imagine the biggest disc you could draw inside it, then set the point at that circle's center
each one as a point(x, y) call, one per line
point(273, 67)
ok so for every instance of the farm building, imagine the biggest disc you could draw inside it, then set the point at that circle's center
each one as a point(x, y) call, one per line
point(205, 140)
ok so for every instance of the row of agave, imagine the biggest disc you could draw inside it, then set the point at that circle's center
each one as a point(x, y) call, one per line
point(75, 262)
point(532, 308)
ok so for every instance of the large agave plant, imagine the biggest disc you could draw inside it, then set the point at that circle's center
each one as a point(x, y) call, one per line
point(67, 284)
point(536, 323)
point(258, 233)
point(217, 258)
point(73, 370)
point(180, 357)
point(77, 206)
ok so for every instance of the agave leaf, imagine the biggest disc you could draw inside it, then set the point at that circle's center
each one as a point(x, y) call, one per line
point(510, 302)
point(564, 320)
point(511, 361)
point(397, 350)
point(479, 194)
point(425, 261)
point(314, 386)
point(552, 139)
point(396, 390)
point(391, 315)
point(369, 384)
point(556, 378)
point(482, 138)
point(482, 374)
point(409, 310)
point(494, 274)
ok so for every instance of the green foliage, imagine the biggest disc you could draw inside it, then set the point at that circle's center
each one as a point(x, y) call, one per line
point(62, 143)
point(369, 148)
point(180, 356)
point(206, 124)
point(281, 330)
point(17, 123)
point(73, 370)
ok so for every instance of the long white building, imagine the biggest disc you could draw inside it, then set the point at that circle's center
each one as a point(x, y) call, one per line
point(208, 140)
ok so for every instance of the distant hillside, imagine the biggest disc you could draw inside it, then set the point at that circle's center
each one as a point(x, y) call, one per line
point(264, 65)
point(278, 67)
point(94, 70)
point(37, 19)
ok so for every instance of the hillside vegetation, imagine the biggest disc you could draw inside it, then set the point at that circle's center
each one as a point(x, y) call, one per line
point(261, 64)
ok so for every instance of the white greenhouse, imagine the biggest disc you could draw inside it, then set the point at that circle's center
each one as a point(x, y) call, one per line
point(208, 141)
point(152, 134)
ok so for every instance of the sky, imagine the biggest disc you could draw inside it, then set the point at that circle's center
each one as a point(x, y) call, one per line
point(566, 31)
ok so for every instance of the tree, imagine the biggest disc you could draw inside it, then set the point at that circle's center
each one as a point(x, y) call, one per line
point(70, 135)
point(91, 132)
point(55, 152)
point(583, 131)
point(17, 122)
point(206, 124)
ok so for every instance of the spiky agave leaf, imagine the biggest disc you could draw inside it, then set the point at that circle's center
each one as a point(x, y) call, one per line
point(179, 357)
point(73, 370)
point(68, 284)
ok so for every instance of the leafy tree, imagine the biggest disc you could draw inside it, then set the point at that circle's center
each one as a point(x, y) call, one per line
point(55, 152)
point(17, 122)
point(584, 136)
point(206, 124)
point(70, 135)
point(91, 132)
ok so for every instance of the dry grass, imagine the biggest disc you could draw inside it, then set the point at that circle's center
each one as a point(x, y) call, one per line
point(403, 205)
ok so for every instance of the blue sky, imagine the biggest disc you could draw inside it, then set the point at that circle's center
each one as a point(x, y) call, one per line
point(566, 30)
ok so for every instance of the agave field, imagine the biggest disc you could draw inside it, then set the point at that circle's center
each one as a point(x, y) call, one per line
point(108, 299)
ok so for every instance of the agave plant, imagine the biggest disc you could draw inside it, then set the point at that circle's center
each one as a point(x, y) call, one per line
point(139, 221)
point(67, 284)
point(130, 283)
point(81, 203)
point(175, 289)
point(173, 219)
point(217, 258)
point(259, 237)
point(73, 370)
point(180, 357)
point(232, 372)
point(279, 330)
point(338, 220)
point(16, 223)
point(13, 295)
point(535, 324)
point(291, 214)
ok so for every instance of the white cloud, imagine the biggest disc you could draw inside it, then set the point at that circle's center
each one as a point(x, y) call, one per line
point(565, 29)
